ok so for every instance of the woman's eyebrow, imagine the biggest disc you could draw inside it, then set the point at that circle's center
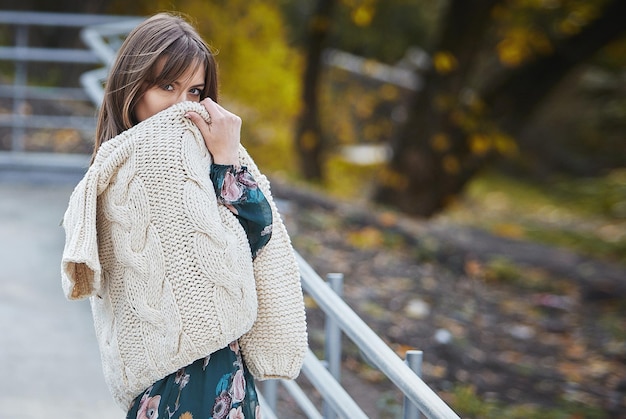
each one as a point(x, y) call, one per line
point(180, 83)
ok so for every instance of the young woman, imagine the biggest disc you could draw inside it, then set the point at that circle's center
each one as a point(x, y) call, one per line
point(174, 237)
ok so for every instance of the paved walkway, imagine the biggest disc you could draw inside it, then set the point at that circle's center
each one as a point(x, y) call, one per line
point(49, 360)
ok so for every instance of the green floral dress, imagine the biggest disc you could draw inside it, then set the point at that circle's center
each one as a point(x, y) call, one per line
point(218, 386)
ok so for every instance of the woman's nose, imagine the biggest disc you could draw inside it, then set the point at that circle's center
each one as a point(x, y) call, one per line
point(181, 97)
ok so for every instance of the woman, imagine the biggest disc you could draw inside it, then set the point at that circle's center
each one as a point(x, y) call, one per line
point(174, 236)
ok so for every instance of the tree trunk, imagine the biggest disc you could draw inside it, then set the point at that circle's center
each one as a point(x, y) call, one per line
point(439, 148)
point(309, 138)
point(431, 160)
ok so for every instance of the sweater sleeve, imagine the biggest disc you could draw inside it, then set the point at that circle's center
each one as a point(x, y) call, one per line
point(80, 266)
point(277, 343)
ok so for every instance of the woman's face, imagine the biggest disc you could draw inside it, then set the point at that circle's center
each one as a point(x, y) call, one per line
point(157, 98)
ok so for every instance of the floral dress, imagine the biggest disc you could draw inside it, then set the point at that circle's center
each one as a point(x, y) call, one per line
point(218, 386)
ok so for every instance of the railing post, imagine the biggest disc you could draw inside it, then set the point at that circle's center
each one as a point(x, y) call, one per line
point(270, 393)
point(414, 360)
point(19, 98)
point(332, 344)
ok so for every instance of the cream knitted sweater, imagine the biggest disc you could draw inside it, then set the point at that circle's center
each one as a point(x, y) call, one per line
point(168, 270)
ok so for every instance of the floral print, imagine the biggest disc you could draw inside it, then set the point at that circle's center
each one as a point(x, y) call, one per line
point(238, 191)
point(148, 406)
point(216, 387)
point(238, 389)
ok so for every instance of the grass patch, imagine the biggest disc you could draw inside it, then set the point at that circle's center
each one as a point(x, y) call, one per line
point(586, 215)
point(468, 404)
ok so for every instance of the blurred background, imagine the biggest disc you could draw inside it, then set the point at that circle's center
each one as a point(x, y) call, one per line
point(470, 153)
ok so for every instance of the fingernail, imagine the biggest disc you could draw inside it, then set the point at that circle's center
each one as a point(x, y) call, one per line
point(187, 115)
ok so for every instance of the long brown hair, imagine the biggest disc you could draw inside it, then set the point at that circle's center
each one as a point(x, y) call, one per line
point(165, 39)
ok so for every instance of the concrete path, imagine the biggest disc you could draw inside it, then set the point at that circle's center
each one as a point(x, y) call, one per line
point(49, 360)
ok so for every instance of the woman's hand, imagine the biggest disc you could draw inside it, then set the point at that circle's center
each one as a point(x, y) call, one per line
point(222, 135)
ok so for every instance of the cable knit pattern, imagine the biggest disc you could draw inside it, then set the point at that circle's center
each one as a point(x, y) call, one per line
point(168, 270)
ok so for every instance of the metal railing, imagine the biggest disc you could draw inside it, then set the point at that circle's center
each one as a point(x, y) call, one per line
point(324, 375)
point(21, 53)
point(102, 34)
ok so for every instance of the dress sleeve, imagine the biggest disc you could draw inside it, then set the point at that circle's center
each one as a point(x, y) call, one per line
point(236, 188)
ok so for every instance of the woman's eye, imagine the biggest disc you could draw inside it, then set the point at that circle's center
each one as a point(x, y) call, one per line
point(195, 91)
point(168, 87)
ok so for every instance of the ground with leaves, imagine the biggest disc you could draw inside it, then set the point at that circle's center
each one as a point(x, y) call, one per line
point(500, 339)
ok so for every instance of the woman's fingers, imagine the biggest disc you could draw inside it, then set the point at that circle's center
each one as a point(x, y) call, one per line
point(222, 134)
point(212, 108)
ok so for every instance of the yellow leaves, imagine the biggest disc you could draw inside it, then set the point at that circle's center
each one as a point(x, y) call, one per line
point(473, 268)
point(510, 230)
point(581, 14)
point(389, 92)
point(540, 42)
point(512, 51)
point(527, 26)
point(479, 144)
point(444, 62)
point(363, 14)
point(393, 179)
point(451, 164)
point(387, 218)
point(579, 363)
point(505, 144)
point(467, 121)
point(401, 349)
point(366, 238)
point(65, 140)
point(569, 26)
point(364, 107)
point(308, 140)
point(576, 350)
point(362, 11)
point(309, 302)
point(520, 44)
point(440, 142)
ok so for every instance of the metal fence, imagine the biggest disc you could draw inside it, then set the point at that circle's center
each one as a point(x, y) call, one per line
point(103, 34)
point(18, 26)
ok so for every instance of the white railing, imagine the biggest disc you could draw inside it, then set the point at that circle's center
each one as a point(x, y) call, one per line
point(21, 53)
point(324, 375)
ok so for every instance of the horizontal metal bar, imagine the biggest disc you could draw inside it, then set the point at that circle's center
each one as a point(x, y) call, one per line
point(57, 55)
point(44, 92)
point(50, 162)
point(56, 19)
point(48, 121)
point(386, 73)
point(116, 28)
point(301, 399)
point(374, 348)
point(332, 392)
